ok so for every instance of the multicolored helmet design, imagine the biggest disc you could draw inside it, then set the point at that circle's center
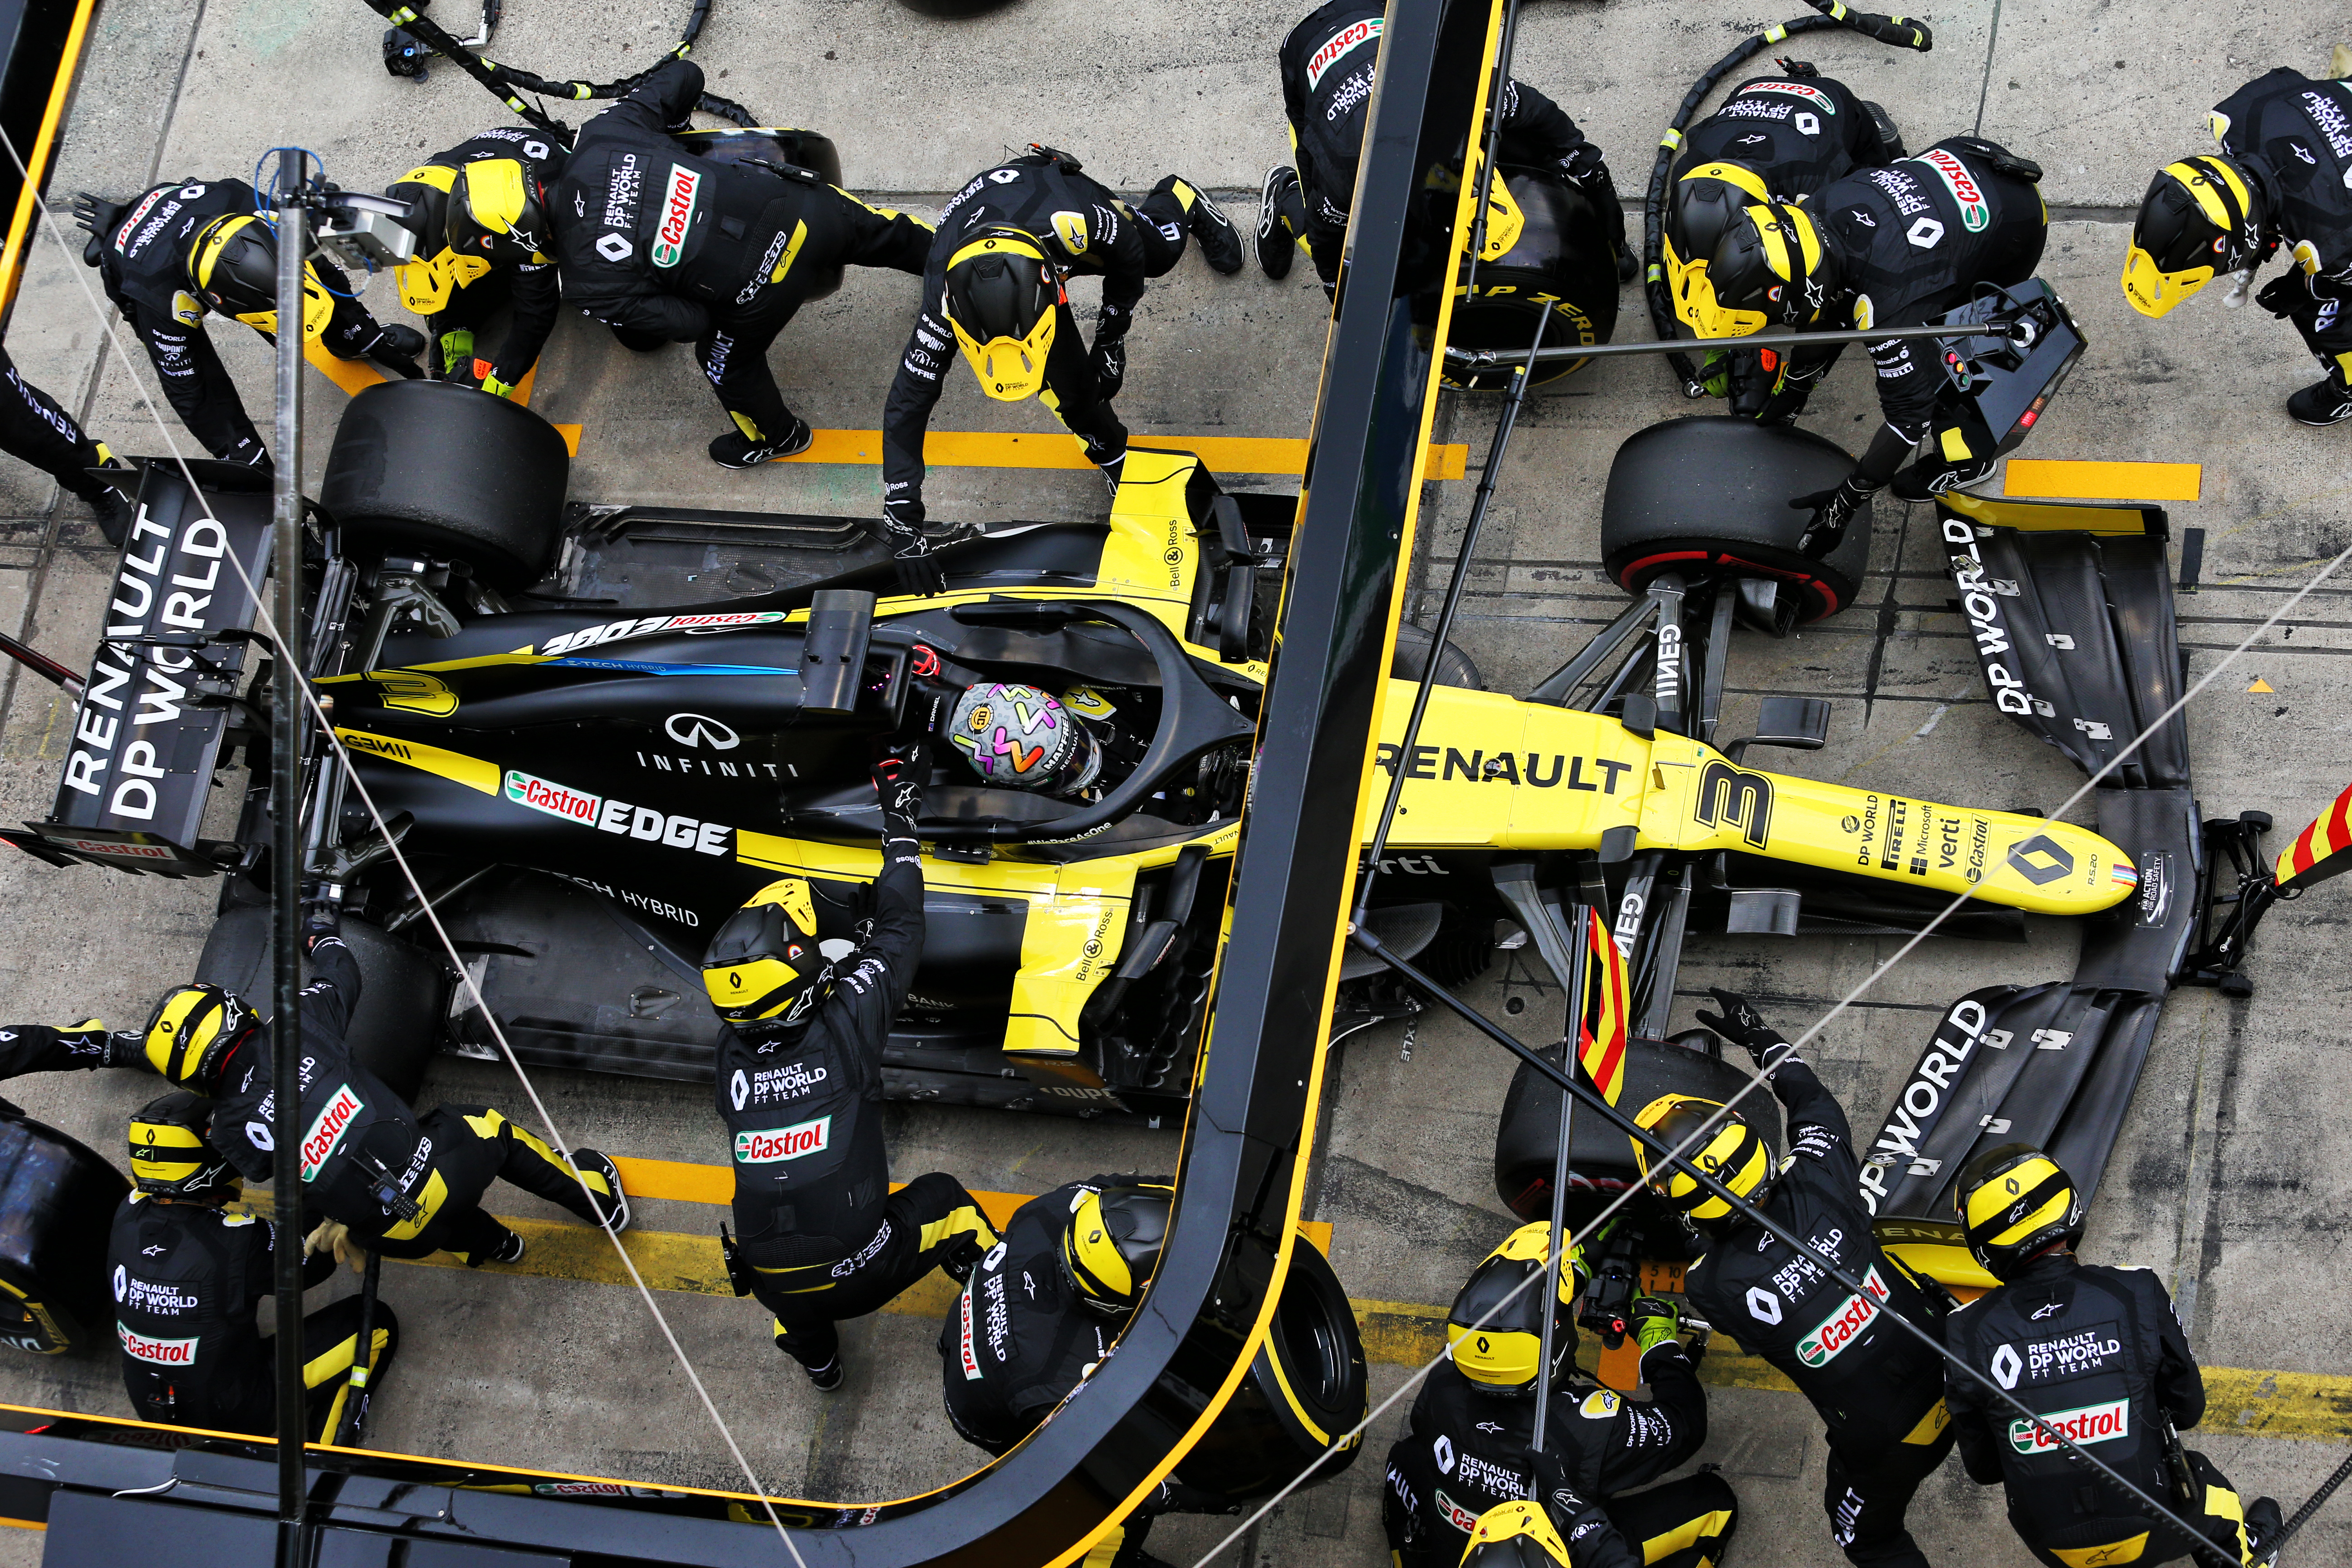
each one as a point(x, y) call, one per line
point(1024, 737)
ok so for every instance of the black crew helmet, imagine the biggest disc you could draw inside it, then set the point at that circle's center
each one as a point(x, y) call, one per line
point(1003, 295)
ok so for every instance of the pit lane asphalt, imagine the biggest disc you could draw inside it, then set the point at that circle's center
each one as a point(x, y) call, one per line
point(2231, 1177)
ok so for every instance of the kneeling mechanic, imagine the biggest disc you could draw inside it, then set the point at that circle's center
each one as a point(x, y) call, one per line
point(190, 1269)
point(799, 1080)
point(386, 1179)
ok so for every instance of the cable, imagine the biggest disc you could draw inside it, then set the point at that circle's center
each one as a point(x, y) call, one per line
point(288, 666)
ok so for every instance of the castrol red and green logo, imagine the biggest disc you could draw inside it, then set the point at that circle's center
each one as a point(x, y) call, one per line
point(677, 216)
point(2090, 1424)
point(329, 1129)
point(1975, 211)
point(766, 1147)
point(1843, 1326)
point(156, 1353)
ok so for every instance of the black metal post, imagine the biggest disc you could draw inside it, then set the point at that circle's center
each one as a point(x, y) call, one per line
point(1578, 941)
point(286, 849)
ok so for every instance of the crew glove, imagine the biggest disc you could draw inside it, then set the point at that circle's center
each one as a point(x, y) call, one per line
point(1833, 509)
point(322, 911)
point(333, 1236)
point(1655, 1322)
point(1741, 1023)
point(2285, 294)
point(1110, 368)
point(902, 530)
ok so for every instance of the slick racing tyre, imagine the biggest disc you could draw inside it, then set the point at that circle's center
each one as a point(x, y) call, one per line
point(1708, 497)
point(1306, 1388)
point(404, 991)
point(1411, 660)
point(58, 1199)
point(1558, 272)
point(1601, 1159)
point(451, 473)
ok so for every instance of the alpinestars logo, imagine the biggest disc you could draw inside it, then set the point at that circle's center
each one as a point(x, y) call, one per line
point(327, 1130)
point(677, 216)
point(1975, 211)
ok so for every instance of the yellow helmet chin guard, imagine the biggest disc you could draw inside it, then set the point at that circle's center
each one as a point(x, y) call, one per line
point(425, 283)
point(1686, 281)
point(1505, 222)
point(2222, 199)
point(1732, 1151)
point(1514, 1533)
point(222, 283)
point(1010, 368)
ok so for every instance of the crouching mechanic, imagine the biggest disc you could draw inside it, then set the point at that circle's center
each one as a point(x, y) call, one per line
point(1468, 1446)
point(1775, 139)
point(664, 245)
point(484, 244)
point(1890, 247)
point(1562, 1529)
point(1879, 1389)
point(384, 1179)
point(799, 1079)
point(2283, 180)
point(191, 1268)
point(1328, 63)
point(1042, 1310)
point(178, 252)
point(2099, 1355)
point(993, 288)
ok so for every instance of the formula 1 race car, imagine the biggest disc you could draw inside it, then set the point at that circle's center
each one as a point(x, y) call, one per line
point(597, 735)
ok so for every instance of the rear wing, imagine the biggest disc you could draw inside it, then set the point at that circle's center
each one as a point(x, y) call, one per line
point(2070, 606)
point(154, 709)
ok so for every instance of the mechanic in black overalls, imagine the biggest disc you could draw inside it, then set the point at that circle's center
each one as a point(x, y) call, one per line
point(179, 251)
point(1467, 1449)
point(1891, 247)
point(1775, 139)
point(799, 1080)
point(663, 245)
point(1328, 65)
point(2283, 180)
point(994, 287)
point(2099, 1354)
point(1879, 1389)
point(36, 428)
point(379, 1177)
point(484, 244)
point(1042, 1310)
point(190, 1267)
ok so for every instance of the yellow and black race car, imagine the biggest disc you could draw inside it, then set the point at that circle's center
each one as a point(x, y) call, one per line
point(600, 734)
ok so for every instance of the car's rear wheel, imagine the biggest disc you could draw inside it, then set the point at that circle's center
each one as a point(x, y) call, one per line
point(1560, 271)
point(1709, 495)
point(448, 472)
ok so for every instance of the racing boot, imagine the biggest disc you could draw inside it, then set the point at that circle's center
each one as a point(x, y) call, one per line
point(1926, 480)
point(114, 514)
point(2323, 403)
point(1889, 137)
point(509, 1251)
point(826, 1377)
point(396, 349)
point(737, 451)
point(1277, 243)
point(611, 1205)
point(1220, 241)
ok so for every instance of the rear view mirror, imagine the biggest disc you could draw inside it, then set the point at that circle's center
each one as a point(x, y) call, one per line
point(1796, 723)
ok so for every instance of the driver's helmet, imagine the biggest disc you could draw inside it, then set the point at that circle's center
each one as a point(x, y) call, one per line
point(1024, 737)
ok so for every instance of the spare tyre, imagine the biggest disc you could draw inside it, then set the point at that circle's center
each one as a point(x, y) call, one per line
point(1560, 270)
point(58, 1200)
point(452, 473)
point(1600, 1158)
point(1709, 495)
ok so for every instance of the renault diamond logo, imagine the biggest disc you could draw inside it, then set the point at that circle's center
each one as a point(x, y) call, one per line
point(2006, 1366)
point(2041, 860)
point(695, 730)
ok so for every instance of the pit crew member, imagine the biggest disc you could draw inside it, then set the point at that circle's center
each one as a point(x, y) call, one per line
point(35, 428)
point(179, 252)
point(2279, 183)
point(664, 246)
point(1889, 247)
point(1563, 1529)
point(381, 1178)
point(1467, 1448)
point(799, 1080)
point(1878, 1389)
point(1327, 62)
point(485, 246)
point(995, 287)
point(1774, 138)
point(2099, 1354)
point(190, 1268)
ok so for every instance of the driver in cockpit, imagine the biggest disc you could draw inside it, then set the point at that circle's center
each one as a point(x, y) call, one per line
point(1018, 736)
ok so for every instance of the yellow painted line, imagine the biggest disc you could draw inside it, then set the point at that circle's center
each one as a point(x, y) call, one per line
point(1058, 449)
point(571, 434)
point(353, 375)
point(2065, 480)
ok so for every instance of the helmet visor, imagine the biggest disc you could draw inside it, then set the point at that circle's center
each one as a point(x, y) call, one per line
point(493, 215)
point(318, 310)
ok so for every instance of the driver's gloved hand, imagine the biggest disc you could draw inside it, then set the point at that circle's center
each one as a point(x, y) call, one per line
point(1833, 509)
point(902, 530)
point(322, 911)
point(1741, 1023)
point(1110, 367)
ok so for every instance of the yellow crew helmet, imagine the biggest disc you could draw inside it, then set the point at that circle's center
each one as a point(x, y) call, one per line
point(191, 1032)
point(232, 266)
point(428, 281)
point(1771, 260)
point(498, 211)
point(765, 969)
point(1707, 200)
point(1731, 1150)
point(1515, 1535)
point(2016, 1203)
point(1003, 296)
point(1496, 1336)
point(1111, 1246)
point(171, 1154)
point(2201, 216)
